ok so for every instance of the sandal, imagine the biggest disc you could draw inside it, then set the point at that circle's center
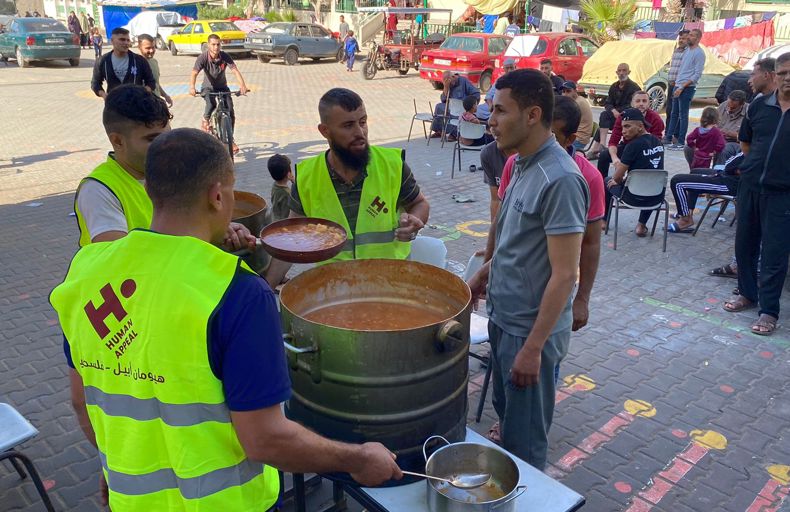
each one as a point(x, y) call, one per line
point(641, 233)
point(740, 303)
point(675, 228)
point(725, 271)
point(494, 435)
point(764, 326)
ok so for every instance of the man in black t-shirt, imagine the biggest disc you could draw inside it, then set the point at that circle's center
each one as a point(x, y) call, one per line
point(213, 63)
point(641, 151)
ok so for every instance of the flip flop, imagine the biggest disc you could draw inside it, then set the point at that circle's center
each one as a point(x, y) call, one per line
point(675, 228)
point(739, 303)
point(724, 271)
point(766, 322)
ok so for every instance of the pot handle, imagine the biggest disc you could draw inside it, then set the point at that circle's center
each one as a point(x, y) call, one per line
point(295, 349)
point(425, 445)
point(449, 335)
point(522, 488)
point(309, 363)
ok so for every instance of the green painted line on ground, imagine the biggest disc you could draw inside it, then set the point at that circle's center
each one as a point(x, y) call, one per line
point(726, 324)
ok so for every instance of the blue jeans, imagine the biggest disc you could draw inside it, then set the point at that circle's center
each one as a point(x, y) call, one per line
point(679, 121)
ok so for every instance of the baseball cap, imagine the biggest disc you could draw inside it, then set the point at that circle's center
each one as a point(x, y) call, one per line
point(568, 84)
point(509, 62)
point(633, 114)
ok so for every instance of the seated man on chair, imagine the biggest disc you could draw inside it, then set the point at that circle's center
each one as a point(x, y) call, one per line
point(642, 151)
point(455, 87)
point(686, 188)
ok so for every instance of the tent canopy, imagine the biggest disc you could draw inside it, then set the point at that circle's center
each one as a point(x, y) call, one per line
point(645, 57)
point(118, 13)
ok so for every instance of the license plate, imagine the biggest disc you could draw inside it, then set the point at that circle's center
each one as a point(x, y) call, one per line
point(54, 41)
point(442, 62)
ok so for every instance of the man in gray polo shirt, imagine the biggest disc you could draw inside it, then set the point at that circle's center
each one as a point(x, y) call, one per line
point(531, 276)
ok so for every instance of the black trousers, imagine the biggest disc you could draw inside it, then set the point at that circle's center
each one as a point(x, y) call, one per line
point(763, 218)
point(605, 160)
point(686, 188)
point(606, 120)
point(211, 104)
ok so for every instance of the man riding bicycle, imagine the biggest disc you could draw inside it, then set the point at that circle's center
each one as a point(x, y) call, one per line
point(213, 63)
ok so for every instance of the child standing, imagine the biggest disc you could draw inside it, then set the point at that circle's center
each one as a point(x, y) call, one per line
point(280, 169)
point(97, 41)
point(352, 47)
point(706, 140)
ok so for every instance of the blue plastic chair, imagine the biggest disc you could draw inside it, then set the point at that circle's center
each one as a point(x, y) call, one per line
point(15, 430)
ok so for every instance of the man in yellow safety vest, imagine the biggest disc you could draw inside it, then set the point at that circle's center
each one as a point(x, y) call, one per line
point(177, 363)
point(369, 190)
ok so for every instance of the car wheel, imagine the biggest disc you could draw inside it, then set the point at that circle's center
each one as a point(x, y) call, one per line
point(291, 56)
point(485, 82)
point(20, 60)
point(341, 53)
point(74, 62)
point(203, 47)
point(264, 59)
point(403, 71)
point(658, 97)
point(173, 49)
point(368, 70)
point(437, 85)
point(160, 43)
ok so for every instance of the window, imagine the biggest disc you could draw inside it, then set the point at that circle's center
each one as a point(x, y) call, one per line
point(198, 28)
point(43, 26)
point(588, 47)
point(223, 26)
point(540, 48)
point(319, 31)
point(302, 31)
point(187, 29)
point(568, 48)
point(466, 44)
point(276, 28)
point(497, 45)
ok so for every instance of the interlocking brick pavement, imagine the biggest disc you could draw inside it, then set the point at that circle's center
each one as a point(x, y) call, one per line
point(657, 332)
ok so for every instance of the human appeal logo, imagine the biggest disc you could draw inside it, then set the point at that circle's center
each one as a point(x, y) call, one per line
point(377, 206)
point(98, 316)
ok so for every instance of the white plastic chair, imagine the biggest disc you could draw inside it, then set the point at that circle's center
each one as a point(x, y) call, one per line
point(429, 250)
point(644, 183)
point(478, 334)
point(455, 108)
point(15, 430)
point(467, 130)
point(424, 117)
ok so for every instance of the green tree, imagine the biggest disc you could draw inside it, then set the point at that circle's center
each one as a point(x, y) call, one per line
point(606, 20)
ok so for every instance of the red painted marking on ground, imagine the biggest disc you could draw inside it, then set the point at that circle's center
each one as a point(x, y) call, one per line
point(48, 484)
point(561, 395)
point(594, 441)
point(23, 296)
point(680, 434)
point(766, 354)
point(52, 321)
point(675, 325)
point(632, 352)
point(711, 300)
point(623, 487)
point(727, 389)
point(770, 497)
point(665, 480)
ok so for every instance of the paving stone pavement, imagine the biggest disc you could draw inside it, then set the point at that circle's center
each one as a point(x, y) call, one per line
point(668, 403)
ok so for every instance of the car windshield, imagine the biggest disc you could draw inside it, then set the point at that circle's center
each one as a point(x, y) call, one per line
point(466, 44)
point(276, 28)
point(223, 26)
point(526, 46)
point(43, 26)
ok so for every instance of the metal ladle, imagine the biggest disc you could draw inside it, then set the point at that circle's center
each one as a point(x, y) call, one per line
point(463, 481)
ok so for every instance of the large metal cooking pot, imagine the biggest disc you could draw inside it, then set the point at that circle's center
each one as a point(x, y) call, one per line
point(499, 494)
point(395, 386)
point(252, 211)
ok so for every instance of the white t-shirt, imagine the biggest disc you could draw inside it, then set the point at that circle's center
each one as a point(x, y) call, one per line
point(100, 208)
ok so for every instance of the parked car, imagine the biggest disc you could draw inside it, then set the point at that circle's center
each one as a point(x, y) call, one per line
point(773, 51)
point(739, 79)
point(473, 55)
point(38, 39)
point(568, 53)
point(649, 62)
point(159, 24)
point(292, 40)
point(192, 38)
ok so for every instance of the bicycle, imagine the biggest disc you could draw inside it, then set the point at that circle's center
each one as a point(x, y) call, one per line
point(220, 123)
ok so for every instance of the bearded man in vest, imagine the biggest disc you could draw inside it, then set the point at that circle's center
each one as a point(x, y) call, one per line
point(177, 366)
point(111, 200)
point(369, 190)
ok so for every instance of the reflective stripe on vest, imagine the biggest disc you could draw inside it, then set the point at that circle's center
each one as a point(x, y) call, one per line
point(190, 488)
point(136, 314)
point(378, 214)
point(136, 205)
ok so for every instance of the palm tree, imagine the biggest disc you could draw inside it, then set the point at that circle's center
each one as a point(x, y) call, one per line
point(606, 20)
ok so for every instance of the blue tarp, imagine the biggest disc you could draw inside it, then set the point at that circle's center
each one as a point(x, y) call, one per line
point(665, 30)
point(115, 16)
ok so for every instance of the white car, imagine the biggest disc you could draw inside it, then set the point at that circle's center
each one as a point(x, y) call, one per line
point(773, 51)
point(159, 24)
